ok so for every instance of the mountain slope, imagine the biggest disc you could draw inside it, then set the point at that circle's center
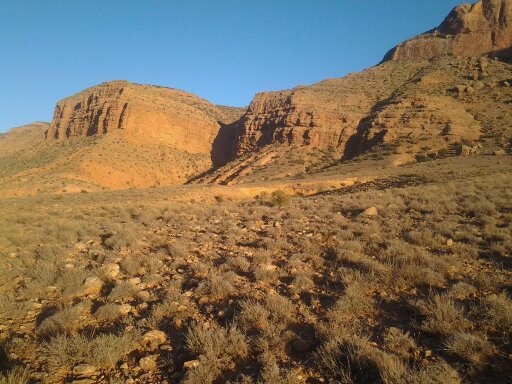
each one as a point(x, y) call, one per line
point(116, 135)
point(419, 103)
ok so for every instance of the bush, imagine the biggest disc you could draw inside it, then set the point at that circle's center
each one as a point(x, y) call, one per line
point(279, 198)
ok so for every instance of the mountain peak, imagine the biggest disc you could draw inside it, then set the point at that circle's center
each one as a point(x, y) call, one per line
point(482, 28)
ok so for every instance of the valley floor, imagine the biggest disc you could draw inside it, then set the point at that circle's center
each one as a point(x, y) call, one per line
point(362, 274)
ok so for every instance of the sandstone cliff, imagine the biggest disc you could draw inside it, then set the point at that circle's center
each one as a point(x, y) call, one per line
point(484, 28)
point(323, 115)
point(147, 113)
point(399, 104)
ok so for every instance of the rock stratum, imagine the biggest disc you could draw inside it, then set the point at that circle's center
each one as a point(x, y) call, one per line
point(148, 113)
point(483, 28)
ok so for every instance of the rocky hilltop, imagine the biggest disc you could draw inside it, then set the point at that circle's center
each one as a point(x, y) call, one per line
point(143, 112)
point(483, 28)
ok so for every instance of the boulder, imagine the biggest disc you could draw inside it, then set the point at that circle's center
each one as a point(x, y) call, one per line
point(92, 286)
point(84, 370)
point(148, 363)
point(153, 339)
point(369, 212)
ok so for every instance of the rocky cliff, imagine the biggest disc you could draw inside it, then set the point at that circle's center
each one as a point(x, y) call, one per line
point(323, 115)
point(339, 113)
point(163, 115)
point(483, 28)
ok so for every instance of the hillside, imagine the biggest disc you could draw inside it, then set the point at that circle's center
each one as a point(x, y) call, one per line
point(353, 231)
point(117, 135)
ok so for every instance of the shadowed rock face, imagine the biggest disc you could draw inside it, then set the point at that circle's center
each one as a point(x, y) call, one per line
point(146, 113)
point(484, 28)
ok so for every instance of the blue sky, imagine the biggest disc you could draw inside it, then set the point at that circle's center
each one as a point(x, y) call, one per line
point(224, 51)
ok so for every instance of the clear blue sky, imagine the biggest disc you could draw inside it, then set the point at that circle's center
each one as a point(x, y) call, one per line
point(222, 50)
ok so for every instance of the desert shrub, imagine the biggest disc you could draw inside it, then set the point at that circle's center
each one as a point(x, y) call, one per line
point(217, 343)
point(266, 273)
point(302, 283)
point(461, 290)
point(66, 321)
point(349, 312)
point(124, 291)
point(240, 263)
point(468, 347)
point(280, 307)
point(271, 374)
point(497, 311)
point(17, 375)
point(355, 360)
point(399, 342)
point(269, 321)
point(279, 198)
point(439, 372)
point(109, 312)
point(71, 281)
point(218, 284)
point(43, 273)
point(169, 306)
point(217, 347)
point(11, 309)
point(119, 235)
point(103, 351)
point(443, 316)
point(253, 315)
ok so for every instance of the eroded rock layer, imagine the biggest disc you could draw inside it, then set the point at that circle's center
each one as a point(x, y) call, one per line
point(323, 115)
point(164, 115)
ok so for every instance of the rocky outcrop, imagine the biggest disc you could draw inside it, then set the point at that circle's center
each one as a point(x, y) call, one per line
point(484, 28)
point(148, 113)
point(323, 115)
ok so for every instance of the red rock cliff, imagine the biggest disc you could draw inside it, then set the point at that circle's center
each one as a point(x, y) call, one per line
point(165, 115)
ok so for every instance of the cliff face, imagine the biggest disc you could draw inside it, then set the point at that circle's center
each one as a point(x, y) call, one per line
point(484, 28)
point(164, 115)
point(333, 113)
point(323, 115)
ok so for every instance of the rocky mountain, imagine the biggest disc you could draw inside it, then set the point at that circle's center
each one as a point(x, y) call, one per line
point(483, 28)
point(443, 93)
point(432, 95)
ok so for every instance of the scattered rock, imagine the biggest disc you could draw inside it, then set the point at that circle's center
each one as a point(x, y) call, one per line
point(147, 363)
point(84, 370)
point(92, 285)
point(111, 271)
point(449, 242)
point(153, 339)
point(372, 211)
point(465, 150)
point(188, 365)
point(124, 309)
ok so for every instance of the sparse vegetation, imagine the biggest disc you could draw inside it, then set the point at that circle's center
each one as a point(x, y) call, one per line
point(246, 293)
